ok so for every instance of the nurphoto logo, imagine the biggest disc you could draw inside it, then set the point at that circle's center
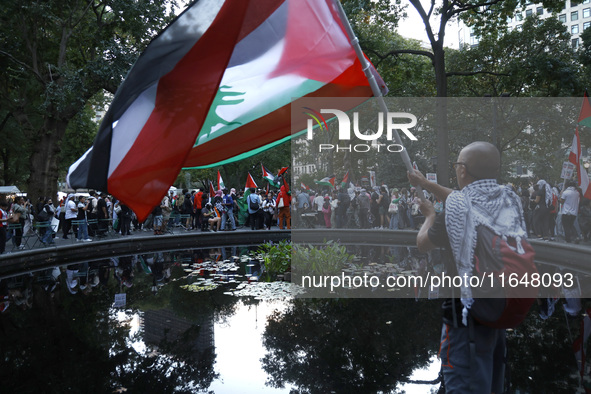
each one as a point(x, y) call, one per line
point(390, 121)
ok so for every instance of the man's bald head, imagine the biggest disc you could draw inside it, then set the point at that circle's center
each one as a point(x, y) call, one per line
point(483, 160)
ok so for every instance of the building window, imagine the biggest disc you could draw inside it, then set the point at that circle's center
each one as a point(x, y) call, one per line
point(540, 10)
point(518, 27)
point(574, 16)
point(528, 13)
point(586, 25)
point(562, 18)
point(519, 16)
point(575, 43)
point(586, 1)
point(586, 12)
point(574, 29)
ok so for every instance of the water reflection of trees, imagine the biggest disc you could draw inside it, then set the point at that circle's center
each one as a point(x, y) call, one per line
point(540, 354)
point(60, 342)
point(349, 345)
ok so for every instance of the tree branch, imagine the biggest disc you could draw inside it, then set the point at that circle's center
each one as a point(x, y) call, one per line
point(31, 69)
point(419, 7)
point(472, 7)
point(469, 73)
point(395, 52)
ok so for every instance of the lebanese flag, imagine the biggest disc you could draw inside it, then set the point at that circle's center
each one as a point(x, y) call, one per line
point(585, 115)
point(303, 186)
point(250, 182)
point(575, 157)
point(215, 87)
point(220, 182)
point(326, 181)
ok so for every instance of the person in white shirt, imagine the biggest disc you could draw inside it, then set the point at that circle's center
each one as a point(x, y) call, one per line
point(71, 211)
point(269, 209)
point(570, 198)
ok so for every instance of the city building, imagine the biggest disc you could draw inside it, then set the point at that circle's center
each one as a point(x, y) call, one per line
point(576, 16)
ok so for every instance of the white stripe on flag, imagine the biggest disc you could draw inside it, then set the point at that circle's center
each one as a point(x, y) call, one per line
point(129, 126)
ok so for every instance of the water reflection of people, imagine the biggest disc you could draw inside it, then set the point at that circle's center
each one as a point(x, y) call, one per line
point(472, 355)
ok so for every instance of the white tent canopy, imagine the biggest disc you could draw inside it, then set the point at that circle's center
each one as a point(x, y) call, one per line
point(9, 190)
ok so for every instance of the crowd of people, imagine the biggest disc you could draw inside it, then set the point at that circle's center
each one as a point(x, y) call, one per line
point(85, 216)
point(358, 207)
point(549, 212)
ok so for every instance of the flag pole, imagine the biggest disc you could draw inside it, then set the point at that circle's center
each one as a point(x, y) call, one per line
point(377, 92)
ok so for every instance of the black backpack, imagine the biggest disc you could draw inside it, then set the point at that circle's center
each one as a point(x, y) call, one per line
point(254, 205)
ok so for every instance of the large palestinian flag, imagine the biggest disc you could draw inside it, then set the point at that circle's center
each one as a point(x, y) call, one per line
point(215, 87)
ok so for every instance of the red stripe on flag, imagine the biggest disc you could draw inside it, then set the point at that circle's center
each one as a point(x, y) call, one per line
point(182, 103)
point(316, 44)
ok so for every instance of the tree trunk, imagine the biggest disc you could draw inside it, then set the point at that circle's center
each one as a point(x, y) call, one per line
point(44, 169)
point(442, 135)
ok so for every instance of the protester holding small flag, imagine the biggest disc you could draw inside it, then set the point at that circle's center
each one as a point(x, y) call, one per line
point(283, 203)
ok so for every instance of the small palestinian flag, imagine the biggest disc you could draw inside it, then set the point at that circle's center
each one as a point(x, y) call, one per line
point(211, 190)
point(282, 171)
point(585, 115)
point(327, 181)
point(250, 182)
point(269, 177)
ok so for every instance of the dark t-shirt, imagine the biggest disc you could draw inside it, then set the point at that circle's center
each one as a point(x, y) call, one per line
point(438, 236)
point(438, 233)
point(99, 206)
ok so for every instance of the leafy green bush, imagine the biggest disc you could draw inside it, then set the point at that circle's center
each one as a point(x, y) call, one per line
point(276, 258)
point(327, 259)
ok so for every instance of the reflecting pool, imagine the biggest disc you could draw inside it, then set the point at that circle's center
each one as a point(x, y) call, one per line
point(204, 320)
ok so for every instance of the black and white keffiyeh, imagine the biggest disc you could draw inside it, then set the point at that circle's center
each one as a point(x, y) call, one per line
point(542, 184)
point(486, 203)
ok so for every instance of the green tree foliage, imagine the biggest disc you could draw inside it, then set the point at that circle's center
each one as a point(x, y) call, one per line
point(535, 61)
point(585, 55)
point(56, 56)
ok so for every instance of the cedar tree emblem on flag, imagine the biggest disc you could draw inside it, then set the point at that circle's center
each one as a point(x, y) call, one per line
point(220, 181)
